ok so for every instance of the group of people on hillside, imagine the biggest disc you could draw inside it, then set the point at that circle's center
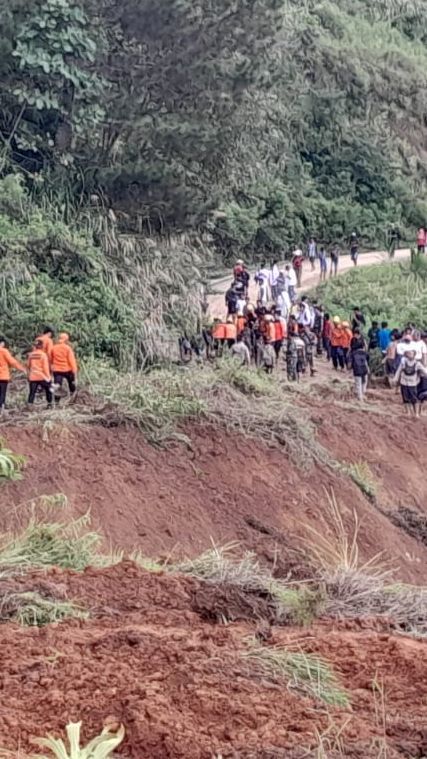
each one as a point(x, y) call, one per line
point(281, 325)
point(50, 363)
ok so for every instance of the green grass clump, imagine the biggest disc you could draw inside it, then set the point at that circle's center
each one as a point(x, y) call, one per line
point(69, 545)
point(304, 673)
point(30, 609)
point(361, 474)
point(11, 464)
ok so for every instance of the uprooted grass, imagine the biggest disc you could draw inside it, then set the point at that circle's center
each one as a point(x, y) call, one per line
point(29, 608)
point(44, 543)
point(238, 398)
point(353, 588)
point(361, 474)
point(221, 565)
point(303, 672)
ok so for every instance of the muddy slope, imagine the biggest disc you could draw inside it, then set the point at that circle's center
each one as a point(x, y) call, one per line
point(183, 687)
point(228, 488)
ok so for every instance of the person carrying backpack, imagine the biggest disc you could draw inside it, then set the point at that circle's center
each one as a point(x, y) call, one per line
point(358, 362)
point(408, 376)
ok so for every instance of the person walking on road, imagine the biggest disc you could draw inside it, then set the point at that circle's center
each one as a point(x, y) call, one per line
point(335, 257)
point(312, 253)
point(354, 248)
point(323, 261)
point(297, 262)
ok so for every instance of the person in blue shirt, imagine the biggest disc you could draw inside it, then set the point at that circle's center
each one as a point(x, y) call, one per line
point(384, 337)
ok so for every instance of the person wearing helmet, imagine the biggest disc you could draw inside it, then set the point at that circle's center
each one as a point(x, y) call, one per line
point(337, 353)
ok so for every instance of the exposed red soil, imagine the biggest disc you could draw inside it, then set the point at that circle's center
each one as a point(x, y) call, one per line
point(182, 687)
point(228, 488)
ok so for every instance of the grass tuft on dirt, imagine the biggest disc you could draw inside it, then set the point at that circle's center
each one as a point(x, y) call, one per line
point(304, 673)
point(30, 609)
point(361, 474)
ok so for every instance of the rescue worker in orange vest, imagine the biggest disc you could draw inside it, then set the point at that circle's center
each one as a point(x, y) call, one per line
point(46, 338)
point(347, 336)
point(64, 364)
point(240, 324)
point(280, 332)
point(337, 338)
point(39, 374)
point(230, 331)
point(7, 362)
point(218, 336)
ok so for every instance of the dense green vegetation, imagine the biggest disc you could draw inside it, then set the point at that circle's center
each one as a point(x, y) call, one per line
point(260, 120)
point(396, 293)
point(131, 132)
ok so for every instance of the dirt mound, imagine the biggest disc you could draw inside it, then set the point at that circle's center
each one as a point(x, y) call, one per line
point(227, 488)
point(183, 686)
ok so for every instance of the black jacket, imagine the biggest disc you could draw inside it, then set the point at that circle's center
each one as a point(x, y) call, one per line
point(358, 361)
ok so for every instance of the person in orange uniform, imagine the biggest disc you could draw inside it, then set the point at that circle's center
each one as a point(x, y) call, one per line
point(64, 364)
point(241, 324)
point(230, 331)
point(7, 362)
point(337, 337)
point(39, 374)
point(46, 338)
point(218, 336)
point(346, 339)
point(280, 332)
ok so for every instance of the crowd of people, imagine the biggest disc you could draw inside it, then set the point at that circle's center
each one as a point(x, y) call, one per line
point(276, 328)
point(49, 365)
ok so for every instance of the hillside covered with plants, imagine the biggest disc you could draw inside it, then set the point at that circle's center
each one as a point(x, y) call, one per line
point(259, 121)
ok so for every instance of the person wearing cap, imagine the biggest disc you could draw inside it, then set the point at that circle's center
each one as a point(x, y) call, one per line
point(297, 262)
point(7, 362)
point(238, 268)
point(64, 364)
point(337, 353)
point(409, 376)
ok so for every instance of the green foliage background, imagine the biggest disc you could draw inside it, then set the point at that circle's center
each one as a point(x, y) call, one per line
point(396, 293)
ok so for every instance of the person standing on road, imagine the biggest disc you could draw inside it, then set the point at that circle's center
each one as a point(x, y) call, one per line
point(394, 240)
point(335, 257)
point(273, 277)
point(323, 261)
point(312, 253)
point(354, 248)
point(291, 282)
point(7, 362)
point(421, 240)
point(297, 262)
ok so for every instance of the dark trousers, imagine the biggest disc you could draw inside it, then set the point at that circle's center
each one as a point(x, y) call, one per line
point(337, 355)
point(59, 377)
point(43, 385)
point(3, 392)
point(327, 347)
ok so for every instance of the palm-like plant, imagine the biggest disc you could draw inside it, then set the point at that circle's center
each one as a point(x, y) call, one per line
point(98, 748)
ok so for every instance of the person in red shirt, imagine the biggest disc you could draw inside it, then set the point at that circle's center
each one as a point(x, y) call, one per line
point(297, 262)
point(421, 240)
point(7, 362)
point(64, 364)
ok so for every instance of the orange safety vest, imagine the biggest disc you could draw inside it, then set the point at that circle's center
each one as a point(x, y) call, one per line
point(241, 324)
point(47, 344)
point(218, 331)
point(38, 366)
point(270, 333)
point(336, 337)
point(63, 359)
point(6, 362)
point(230, 331)
point(279, 328)
point(347, 335)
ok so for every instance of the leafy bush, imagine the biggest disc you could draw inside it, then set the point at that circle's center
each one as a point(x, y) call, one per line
point(10, 464)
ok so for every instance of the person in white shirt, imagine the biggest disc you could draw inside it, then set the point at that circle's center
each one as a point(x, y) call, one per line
point(273, 276)
point(407, 343)
point(284, 304)
point(241, 305)
point(290, 282)
point(420, 347)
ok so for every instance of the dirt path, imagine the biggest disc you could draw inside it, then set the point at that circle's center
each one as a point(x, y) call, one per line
point(309, 278)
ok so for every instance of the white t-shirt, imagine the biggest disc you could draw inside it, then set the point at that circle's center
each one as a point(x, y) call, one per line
point(273, 275)
point(420, 349)
point(241, 303)
point(407, 345)
point(284, 303)
point(263, 274)
point(290, 278)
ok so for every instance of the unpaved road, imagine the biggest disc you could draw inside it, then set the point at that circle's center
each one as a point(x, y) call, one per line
point(309, 278)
